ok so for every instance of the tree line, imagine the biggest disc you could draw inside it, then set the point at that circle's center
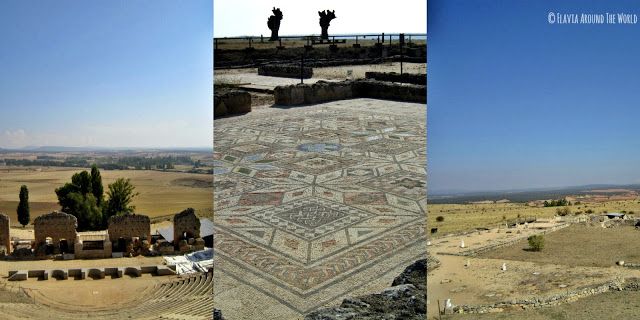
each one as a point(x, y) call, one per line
point(109, 163)
point(557, 203)
point(84, 197)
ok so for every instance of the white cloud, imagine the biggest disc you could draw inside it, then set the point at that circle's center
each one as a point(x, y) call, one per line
point(13, 138)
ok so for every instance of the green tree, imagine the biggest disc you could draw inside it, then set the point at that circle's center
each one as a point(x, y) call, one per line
point(87, 211)
point(96, 185)
point(536, 242)
point(76, 198)
point(23, 206)
point(121, 194)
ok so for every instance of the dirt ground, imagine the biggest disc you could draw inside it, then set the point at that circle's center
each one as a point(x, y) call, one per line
point(482, 281)
point(578, 245)
point(341, 72)
point(87, 293)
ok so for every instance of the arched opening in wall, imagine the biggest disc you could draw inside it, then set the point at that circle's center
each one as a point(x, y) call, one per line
point(64, 246)
point(186, 235)
point(121, 245)
point(49, 248)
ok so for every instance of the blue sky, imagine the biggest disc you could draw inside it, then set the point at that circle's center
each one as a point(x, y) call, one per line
point(516, 102)
point(106, 73)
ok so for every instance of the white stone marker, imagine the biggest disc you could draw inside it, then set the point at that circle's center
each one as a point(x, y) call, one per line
point(448, 304)
point(462, 243)
point(504, 266)
point(428, 243)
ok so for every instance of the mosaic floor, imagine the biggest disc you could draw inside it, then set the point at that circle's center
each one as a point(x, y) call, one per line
point(316, 203)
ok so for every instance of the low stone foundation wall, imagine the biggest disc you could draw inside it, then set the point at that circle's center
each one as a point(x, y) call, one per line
point(557, 299)
point(323, 91)
point(285, 71)
point(390, 91)
point(231, 102)
point(413, 78)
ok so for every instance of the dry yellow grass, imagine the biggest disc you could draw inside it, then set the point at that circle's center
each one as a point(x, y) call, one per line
point(159, 196)
point(464, 217)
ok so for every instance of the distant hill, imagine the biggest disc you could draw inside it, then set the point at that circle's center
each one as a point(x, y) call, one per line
point(530, 195)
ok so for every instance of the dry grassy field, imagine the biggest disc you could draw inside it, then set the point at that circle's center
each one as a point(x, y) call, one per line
point(578, 245)
point(464, 217)
point(161, 193)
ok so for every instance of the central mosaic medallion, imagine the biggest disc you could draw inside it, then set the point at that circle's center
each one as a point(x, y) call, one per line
point(311, 218)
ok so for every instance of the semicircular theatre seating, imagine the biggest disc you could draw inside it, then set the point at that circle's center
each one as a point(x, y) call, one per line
point(190, 297)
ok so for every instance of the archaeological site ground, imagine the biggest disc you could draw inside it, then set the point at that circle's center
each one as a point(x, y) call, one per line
point(319, 176)
point(482, 266)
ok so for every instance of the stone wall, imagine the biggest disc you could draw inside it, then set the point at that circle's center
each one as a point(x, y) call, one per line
point(57, 225)
point(5, 238)
point(413, 78)
point(285, 71)
point(556, 299)
point(231, 102)
point(188, 222)
point(390, 91)
point(128, 226)
point(323, 91)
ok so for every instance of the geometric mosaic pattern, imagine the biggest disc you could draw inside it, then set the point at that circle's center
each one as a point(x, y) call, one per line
point(313, 202)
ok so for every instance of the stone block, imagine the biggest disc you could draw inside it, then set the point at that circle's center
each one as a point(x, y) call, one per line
point(133, 271)
point(148, 269)
point(289, 95)
point(96, 273)
point(60, 274)
point(114, 272)
point(163, 270)
point(77, 273)
point(236, 101)
point(19, 275)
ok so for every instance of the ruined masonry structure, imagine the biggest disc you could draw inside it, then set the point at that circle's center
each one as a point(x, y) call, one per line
point(58, 226)
point(185, 223)
point(5, 240)
point(129, 226)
